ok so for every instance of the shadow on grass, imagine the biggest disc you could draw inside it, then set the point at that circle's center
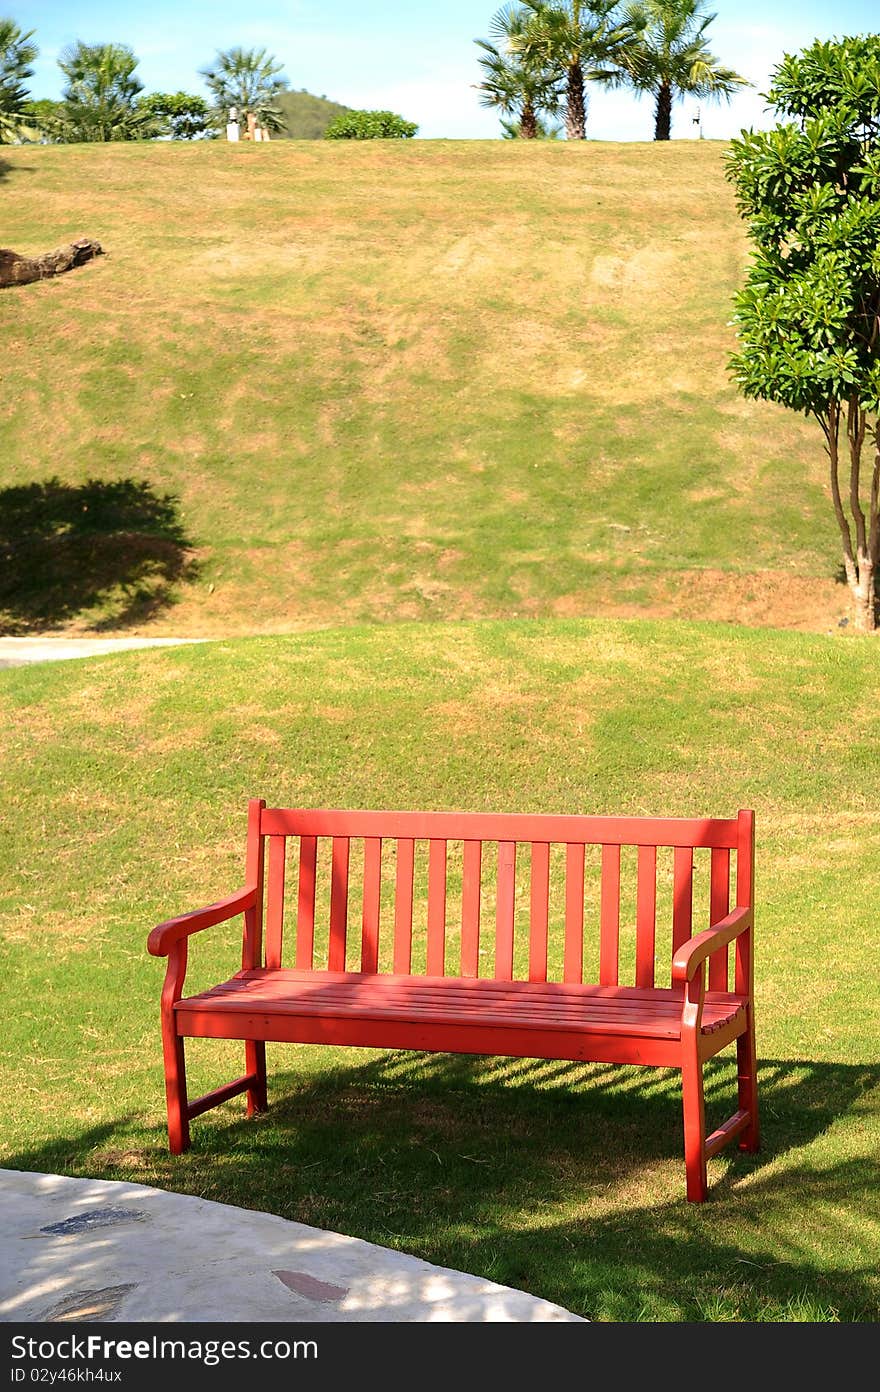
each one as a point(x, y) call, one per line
point(7, 168)
point(560, 1179)
point(66, 549)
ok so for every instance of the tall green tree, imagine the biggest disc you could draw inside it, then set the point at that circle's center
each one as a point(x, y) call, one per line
point(179, 115)
point(522, 86)
point(581, 40)
point(249, 80)
point(17, 53)
point(808, 318)
point(100, 101)
point(670, 58)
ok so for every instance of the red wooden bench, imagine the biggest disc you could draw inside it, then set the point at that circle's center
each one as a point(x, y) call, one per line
point(520, 873)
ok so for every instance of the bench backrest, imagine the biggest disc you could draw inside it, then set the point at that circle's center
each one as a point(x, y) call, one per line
point(493, 895)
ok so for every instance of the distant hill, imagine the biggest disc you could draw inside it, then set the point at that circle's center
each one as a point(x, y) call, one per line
point(306, 116)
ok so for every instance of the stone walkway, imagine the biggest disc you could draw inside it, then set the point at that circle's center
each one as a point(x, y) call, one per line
point(16, 652)
point(93, 1249)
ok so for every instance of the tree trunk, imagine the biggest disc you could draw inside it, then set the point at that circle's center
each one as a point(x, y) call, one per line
point(865, 599)
point(575, 105)
point(861, 561)
point(663, 112)
point(22, 270)
point(528, 122)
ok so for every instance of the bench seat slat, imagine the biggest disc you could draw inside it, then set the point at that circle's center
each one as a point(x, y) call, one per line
point(459, 1002)
point(321, 979)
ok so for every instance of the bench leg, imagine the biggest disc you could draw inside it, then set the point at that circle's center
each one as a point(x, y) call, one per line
point(255, 1063)
point(694, 1126)
point(175, 1090)
point(747, 1085)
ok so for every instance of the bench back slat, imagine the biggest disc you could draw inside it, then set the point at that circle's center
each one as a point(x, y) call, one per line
point(682, 895)
point(609, 942)
point(719, 906)
point(573, 958)
point(372, 898)
point(403, 906)
point(251, 947)
point(646, 915)
point(470, 908)
point(275, 900)
point(305, 911)
point(505, 910)
point(745, 895)
point(526, 876)
point(539, 910)
point(436, 951)
point(503, 826)
point(338, 903)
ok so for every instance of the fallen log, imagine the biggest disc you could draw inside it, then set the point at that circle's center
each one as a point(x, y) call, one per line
point(21, 270)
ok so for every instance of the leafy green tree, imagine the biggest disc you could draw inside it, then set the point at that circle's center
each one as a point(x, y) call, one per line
point(521, 86)
point(101, 97)
point(17, 53)
point(370, 125)
point(808, 318)
point(43, 120)
point(179, 115)
point(248, 79)
point(512, 130)
point(670, 58)
point(581, 40)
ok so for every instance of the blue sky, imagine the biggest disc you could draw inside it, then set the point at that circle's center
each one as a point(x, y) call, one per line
point(415, 57)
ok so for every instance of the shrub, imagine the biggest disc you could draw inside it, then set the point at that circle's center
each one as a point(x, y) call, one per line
point(370, 125)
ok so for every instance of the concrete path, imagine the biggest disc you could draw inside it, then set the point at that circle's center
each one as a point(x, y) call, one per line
point(15, 652)
point(93, 1249)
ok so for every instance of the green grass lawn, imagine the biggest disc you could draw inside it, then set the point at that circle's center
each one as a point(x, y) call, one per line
point(428, 380)
point(124, 783)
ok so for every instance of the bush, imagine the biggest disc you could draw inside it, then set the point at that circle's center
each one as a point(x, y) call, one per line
point(370, 125)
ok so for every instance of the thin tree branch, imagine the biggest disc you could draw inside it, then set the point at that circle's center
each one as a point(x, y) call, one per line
point(855, 432)
point(831, 434)
point(874, 534)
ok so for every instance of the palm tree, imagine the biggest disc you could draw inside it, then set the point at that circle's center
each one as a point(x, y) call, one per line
point(581, 40)
point(512, 130)
point(247, 79)
point(100, 99)
point(671, 58)
point(519, 86)
point(17, 52)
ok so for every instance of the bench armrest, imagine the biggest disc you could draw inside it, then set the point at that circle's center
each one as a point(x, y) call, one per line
point(163, 937)
point(691, 955)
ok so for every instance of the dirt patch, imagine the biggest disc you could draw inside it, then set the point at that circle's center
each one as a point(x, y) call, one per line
point(763, 599)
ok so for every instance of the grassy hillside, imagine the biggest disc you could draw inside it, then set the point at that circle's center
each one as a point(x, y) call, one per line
point(306, 116)
point(124, 782)
point(406, 380)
